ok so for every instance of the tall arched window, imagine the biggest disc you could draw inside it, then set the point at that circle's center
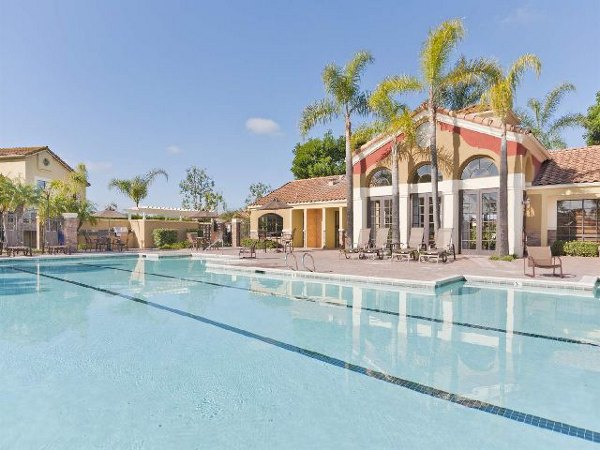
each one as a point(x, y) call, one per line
point(423, 174)
point(479, 168)
point(381, 177)
point(271, 224)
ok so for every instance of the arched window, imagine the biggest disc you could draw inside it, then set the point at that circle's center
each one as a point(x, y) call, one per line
point(423, 174)
point(271, 224)
point(381, 177)
point(479, 168)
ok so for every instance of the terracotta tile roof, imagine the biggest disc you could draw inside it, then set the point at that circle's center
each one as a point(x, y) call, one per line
point(310, 190)
point(570, 165)
point(21, 152)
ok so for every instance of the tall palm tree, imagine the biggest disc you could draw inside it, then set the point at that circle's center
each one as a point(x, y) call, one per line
point(436, 77)
point(15, 196)
point(136, 188)
point(394, 118)
point(464, 94)
point(344, 99)
point(539, 118)
point(500, 97)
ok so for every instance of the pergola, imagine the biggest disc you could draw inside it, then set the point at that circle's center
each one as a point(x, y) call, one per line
point(174, 213)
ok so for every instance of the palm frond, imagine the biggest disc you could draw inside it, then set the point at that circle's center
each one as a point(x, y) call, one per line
point(354, 68)
point(359, 104)
point(527, 120)
point(478, 71)
point(437, 48)
point(517, 70)
point(152, 174)
point(553, 99)
point(332, 79)
point(321, 111)
point(566, 121)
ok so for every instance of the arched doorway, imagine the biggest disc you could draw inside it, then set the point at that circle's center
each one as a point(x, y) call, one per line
point(478, 209)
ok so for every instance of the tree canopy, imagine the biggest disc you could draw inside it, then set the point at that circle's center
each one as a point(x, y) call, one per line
point(137, 187)
point(256, 191)
point(592, 123)
point(198, 190)
point(319, 157)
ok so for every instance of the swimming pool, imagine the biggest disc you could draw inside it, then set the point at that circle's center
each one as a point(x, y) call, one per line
point(130, 353)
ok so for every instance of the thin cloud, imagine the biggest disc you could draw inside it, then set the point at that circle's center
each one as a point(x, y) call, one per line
point(174, 150)
point(523, 15)
point(99, 166)
point(258, 125)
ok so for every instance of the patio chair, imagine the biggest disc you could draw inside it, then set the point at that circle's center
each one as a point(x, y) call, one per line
point(542, 257)
point(364, 240)
point(248, 251)
point(193, 240)
point(89, 243)
point(412, 249)
point(120, 242)
point(380, 246)
point(443, 247)
point(287, 240)
point(52, 243)
point(14, 245)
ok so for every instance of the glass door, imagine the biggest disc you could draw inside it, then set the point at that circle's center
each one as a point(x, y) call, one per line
point(422, 215)
point(479, 217)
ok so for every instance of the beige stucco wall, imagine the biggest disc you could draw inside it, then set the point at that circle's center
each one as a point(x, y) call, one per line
point(542, 212)
point(141, 230)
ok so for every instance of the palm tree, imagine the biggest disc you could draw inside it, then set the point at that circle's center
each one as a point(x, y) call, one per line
point(136, 188)
point(394, 118)
point(500, 97)
point(436, 78)
point(345, 99)
point(15, 196)
point(463, 94)
point(539, 117)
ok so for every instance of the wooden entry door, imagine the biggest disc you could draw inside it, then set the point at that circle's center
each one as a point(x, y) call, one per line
point(314, 230)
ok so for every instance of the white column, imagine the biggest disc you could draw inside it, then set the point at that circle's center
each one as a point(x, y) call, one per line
point(515, 214)
point(450, 206)
point(404, 213)
point(360, 213)
point(323, 227)
point(305, 231)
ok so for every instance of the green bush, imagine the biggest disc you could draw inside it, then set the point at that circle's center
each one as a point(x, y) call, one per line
point(581, 248)
point(247, 242)
point(175, 246)
point(503, 258)
point(164, 236)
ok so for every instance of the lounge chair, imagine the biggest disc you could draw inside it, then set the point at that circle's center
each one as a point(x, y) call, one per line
point(249, 251)
point(287, 240)
point(364, 240)
point(120, 242)
point(412, 249)
point(380, 246)
point(443, 247)
point(542, 257)
point(14, 245)
point(52, 243)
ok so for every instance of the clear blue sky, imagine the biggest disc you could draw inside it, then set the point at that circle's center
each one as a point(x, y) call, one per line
point(126, 86)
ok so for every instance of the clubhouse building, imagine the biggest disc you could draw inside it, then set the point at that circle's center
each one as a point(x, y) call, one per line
point(552, 194)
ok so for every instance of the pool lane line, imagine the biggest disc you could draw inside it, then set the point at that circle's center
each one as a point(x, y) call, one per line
point(364, 308)
point(528, 419)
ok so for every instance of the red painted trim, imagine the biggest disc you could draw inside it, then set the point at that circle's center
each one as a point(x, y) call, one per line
point(372, 159)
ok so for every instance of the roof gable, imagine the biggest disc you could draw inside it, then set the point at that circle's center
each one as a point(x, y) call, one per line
point(309, 190)
point(23, 152)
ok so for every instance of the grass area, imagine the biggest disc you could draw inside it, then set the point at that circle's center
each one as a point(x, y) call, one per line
point(503, 258)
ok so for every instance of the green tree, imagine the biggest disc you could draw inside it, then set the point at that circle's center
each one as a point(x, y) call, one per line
point(539, 117)
point(592, 123)
point(463, 94)
point(500, 97)
point(136, 188)
point(344, 99)
point(14, 197)
point(394, 118)
point(198, 190)
point(257, 191)
point(435, 79)
point(319, 157)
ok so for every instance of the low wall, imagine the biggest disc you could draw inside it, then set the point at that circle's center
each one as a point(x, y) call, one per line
point(141, 230)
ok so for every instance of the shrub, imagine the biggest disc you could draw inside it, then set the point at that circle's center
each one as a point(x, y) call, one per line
point(581, 248)
point(175, 246)
point(164, 236)
point(503, 258)
point(247, 242)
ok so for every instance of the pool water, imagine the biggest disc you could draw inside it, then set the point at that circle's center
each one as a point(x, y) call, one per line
point(129, 353)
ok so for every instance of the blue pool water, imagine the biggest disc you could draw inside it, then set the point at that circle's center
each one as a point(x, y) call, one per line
point(130, 353)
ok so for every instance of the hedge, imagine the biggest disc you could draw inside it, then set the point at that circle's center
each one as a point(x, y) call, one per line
point(247, 242)
point(575, 248)
point(164, 236)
